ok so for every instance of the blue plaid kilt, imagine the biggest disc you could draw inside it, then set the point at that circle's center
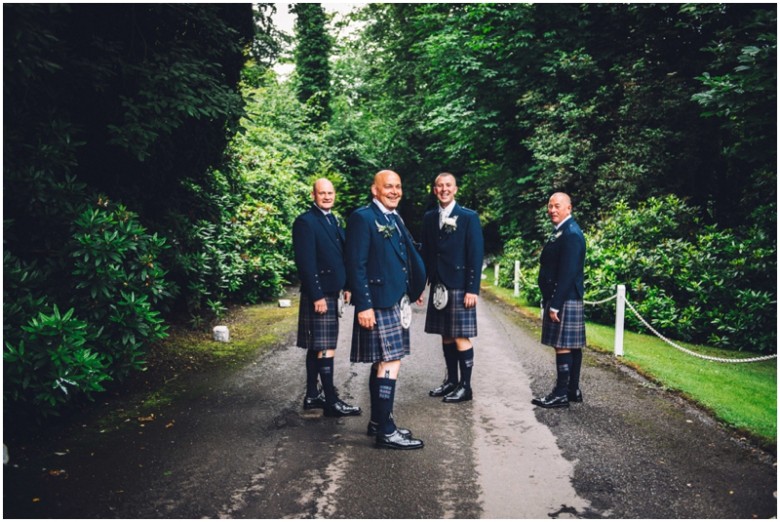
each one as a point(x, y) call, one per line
point(455, 320)
point(570, 332)
point(318, 331)
point(388, 341)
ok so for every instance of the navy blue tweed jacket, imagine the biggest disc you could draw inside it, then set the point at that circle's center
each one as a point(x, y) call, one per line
point(319, 254)
point(562, 266)
point(454, 257)
point(381, 269)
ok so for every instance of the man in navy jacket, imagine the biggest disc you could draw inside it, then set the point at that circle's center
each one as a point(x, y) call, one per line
point(453, 249)
point(561, 281)
point(318, 242)
point(383, 266)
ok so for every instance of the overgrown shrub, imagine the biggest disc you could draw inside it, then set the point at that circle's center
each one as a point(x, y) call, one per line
point(108, 279)
point(119, 282)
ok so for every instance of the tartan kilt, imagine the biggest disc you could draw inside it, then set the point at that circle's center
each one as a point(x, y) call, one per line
point(570, 332)
point(455, 320)
point(388, 341)
point(318, 331)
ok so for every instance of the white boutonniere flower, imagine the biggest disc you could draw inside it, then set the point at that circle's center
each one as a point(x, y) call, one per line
point(385, 230)
point(450, 224)
point(556, 236)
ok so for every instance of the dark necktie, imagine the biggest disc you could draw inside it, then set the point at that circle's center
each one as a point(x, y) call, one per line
point(331, 219)
point(391, 217)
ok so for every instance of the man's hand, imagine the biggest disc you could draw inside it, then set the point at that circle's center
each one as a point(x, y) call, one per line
point(367, 319)
point(320, 306)
point(347, 297)
point(470, 300)
point(554, 316)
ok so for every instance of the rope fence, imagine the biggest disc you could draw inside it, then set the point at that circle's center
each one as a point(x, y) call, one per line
point(620, 306)
point(619, 343)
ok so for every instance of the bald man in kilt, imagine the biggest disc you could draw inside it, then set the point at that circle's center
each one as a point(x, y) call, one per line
point(318, 244)
point(385, 273)
point(561, 281)
point(453, 250)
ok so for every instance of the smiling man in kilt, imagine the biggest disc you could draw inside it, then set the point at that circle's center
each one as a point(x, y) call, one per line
point(561, 281)
point(383, 267)
point(453, 250)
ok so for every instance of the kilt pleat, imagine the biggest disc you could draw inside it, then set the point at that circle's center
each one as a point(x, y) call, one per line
point(318, 331)
point(455, 320)
point(388, 341)
point(570, 332)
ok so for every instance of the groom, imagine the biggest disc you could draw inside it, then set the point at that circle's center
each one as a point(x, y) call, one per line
point(453, 249)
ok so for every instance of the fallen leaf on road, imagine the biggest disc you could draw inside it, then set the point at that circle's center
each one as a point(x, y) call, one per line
point(150, 418)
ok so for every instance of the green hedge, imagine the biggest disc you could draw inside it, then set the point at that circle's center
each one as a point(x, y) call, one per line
point(690, 280)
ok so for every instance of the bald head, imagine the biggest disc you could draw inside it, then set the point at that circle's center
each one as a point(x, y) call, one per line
point(559, 207)
point(387, 188)
point(323, 194)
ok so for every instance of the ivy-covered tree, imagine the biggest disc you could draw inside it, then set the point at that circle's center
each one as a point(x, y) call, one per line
point(312, 54)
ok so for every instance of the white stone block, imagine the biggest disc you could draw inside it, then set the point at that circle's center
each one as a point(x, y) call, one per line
point(221, 334)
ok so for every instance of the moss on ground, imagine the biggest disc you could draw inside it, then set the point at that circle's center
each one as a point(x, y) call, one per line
point(254, 330)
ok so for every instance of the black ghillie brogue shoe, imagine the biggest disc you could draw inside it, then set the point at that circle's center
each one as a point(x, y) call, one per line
point(575, 396)
point(372, 431)
point(341, 409)
point(312, 403)
point(552, 401)
point(459, 394)
point(444, 389)
point(397, 441)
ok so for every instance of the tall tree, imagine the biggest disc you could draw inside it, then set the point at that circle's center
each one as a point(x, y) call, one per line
point(312, 54)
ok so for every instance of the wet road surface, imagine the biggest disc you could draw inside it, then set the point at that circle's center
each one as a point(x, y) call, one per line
point(239, 445)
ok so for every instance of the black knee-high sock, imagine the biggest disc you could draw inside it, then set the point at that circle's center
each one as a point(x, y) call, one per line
point(325, 368)
point(563, 361)
point(451, 359)
point(385, 398)
point(311, 373)
point(576, 365)
point(374, 394)
point(466, 362)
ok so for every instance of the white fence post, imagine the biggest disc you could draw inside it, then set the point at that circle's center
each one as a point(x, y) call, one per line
point(495, 275)
point(517, 278)
point(620, 312)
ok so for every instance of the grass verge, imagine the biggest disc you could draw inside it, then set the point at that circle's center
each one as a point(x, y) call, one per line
point(743, 396)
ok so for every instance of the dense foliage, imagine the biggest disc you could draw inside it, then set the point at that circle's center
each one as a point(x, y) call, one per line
point(609, 102)
point(113, 116)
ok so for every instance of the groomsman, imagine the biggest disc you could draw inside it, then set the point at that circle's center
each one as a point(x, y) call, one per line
point(318, 242)
point(385, 273)
point(561, 280)
point(453, 249)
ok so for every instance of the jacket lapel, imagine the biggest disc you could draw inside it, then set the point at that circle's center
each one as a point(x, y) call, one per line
point(396, 238)
point(333, 232)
